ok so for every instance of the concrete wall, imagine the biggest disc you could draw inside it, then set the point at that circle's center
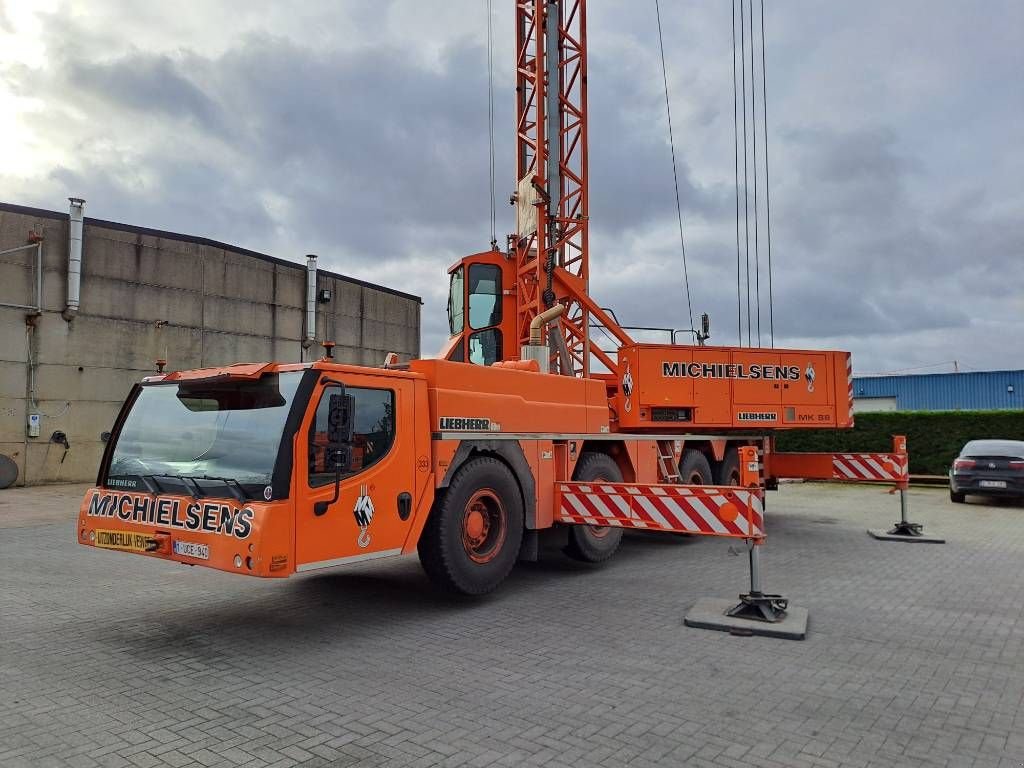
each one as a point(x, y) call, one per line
point(146, 295)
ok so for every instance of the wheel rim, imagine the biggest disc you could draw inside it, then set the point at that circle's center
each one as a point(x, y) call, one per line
point(484, 526)
point(695, 478)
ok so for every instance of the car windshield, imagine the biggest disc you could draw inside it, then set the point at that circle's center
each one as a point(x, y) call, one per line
point(226, 431)
point(1013, 448)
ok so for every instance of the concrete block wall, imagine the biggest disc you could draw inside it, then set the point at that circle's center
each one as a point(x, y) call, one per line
point(145, 295)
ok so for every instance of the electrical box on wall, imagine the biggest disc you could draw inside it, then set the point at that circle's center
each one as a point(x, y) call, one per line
point(34, 423)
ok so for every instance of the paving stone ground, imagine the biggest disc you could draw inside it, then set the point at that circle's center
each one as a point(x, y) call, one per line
point(915, 653)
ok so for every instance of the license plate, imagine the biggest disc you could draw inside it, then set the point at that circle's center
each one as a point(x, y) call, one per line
point(191, 549)
point(992, 483)
point(124, 540)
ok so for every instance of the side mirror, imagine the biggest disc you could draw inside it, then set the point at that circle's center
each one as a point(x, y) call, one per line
point(340, 410)
point(339, 419)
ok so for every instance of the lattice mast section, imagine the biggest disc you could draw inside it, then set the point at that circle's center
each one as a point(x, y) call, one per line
point(551, 240)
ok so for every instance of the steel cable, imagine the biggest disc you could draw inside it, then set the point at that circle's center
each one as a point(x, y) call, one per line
point(746, 186)
point(767, 187)
point(490, 120)
point(675, 173)
point(753, 118)
point(736, 164)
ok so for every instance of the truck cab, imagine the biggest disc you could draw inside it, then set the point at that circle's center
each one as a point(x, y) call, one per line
point(264, 469)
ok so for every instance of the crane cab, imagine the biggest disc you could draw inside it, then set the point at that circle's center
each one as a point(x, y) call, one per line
point(481, 310)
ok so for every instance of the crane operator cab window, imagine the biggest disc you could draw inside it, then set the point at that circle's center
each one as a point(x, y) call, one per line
point(483, 290)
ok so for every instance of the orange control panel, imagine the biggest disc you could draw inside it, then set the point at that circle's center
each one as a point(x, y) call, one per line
point(681, 388)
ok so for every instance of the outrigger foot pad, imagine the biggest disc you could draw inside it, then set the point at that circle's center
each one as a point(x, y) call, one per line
point(712, 613)
point(760, 607)
point(896, 534)
point(906, 529)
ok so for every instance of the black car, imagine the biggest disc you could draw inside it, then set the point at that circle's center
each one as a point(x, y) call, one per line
point(988, 468)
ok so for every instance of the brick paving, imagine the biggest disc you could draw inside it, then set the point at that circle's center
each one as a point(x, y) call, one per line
point(915, 653)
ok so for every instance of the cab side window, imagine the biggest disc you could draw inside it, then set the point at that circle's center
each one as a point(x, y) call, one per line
point(372, 436)
point(456, 302)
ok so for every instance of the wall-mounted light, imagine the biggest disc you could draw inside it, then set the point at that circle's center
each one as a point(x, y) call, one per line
point(324, 296)
point(1009, 388)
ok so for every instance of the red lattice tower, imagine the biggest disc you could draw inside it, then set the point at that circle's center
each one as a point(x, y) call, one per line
point(550, 244)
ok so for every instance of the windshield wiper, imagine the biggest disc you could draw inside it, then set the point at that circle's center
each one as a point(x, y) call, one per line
point(230, 483)
point(151, 483)
point(159, 484)
point(197, 492)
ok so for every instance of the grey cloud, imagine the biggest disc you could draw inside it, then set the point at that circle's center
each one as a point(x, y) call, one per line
point(150, 84)
point(371, 150)
point(881, 231)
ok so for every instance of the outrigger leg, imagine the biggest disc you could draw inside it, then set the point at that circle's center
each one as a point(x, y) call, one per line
point(903, 529)
point(755, 604)
point(757, 613)
point(902, 526)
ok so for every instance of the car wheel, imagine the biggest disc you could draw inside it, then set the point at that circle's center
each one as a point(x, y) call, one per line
point(956, 497)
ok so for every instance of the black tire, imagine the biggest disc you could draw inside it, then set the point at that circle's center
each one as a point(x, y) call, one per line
point(456, 553)
point(957, 498)
point(588, 543)
point(729, 470)
point(694, 468)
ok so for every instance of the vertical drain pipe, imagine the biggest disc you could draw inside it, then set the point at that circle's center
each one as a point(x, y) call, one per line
point(75, 229)
point(310, 336)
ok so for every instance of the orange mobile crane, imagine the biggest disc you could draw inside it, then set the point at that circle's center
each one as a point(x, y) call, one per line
point(523, 425)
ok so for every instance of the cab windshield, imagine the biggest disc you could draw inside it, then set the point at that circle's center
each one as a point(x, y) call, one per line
point(214, 438)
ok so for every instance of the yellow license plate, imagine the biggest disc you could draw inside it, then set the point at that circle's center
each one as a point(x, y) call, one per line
point(126, 540)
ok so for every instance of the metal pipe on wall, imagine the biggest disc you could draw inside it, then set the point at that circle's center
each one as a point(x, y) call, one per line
point(75, 229)
point(310, 336)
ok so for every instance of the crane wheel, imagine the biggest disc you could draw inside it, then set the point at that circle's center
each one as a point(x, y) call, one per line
point(594, 543)
point(729, 470)
point(471, 539)
point(694, 468)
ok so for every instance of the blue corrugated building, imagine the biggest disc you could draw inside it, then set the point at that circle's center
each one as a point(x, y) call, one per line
point(973, 391)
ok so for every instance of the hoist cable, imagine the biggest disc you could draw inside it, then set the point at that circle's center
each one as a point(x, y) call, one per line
point(746, 188)
point(736, 167)
point(767, 187)
point(753, 117)
point(491, 123)
point(675, 173)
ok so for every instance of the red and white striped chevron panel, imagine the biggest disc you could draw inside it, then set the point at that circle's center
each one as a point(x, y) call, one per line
point(709, 510)
point(849, 381)
point(869, 466)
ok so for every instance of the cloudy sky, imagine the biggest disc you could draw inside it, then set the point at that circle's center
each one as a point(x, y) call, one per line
point(357, 129)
